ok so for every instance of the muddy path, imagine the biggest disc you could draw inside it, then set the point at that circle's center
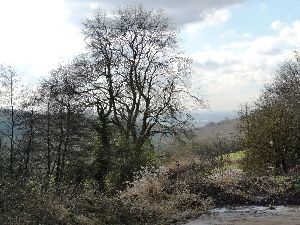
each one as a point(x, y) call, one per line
point(253, 215)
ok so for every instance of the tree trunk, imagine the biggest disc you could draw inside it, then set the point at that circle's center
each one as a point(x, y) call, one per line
point(103, 155)
point(29, 145)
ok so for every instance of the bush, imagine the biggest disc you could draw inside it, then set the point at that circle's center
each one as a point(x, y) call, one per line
point(270, 127)
point(164, 195)
point(127, 160)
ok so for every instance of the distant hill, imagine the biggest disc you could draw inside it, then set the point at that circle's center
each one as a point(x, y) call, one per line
point(223, 129)
point(205, 117)
point(226, 129)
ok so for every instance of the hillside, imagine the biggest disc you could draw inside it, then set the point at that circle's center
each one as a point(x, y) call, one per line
point(224, 129)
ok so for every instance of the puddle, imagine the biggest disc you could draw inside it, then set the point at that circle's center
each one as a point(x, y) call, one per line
point(248, 215)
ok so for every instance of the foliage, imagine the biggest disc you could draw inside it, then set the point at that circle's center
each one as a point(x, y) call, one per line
point(127, 160)
point(270, 127)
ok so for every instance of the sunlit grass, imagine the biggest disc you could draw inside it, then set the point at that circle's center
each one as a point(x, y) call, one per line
point(235, 156)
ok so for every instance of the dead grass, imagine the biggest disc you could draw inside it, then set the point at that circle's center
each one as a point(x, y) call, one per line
point(185, 188)
point(164, 196)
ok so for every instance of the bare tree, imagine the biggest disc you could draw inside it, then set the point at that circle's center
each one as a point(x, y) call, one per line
point(29, 113)
point(140, 71)
point(64, 114)
point(10, 98)
point(135, 76)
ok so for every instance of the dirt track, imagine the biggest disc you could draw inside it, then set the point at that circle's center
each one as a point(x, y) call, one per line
point(251, 216)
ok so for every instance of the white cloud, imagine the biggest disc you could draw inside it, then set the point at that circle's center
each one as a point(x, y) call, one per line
point(277, 25)
point(183, 12)
point(209, 19)
point(36, 35)
point(233, 73)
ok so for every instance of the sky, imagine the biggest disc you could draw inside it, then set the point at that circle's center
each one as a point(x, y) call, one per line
point(236, 45)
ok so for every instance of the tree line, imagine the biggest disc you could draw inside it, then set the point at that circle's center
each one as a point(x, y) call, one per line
point(93, 118)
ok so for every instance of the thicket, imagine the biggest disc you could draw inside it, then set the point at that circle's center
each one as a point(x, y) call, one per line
point(271, 125)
